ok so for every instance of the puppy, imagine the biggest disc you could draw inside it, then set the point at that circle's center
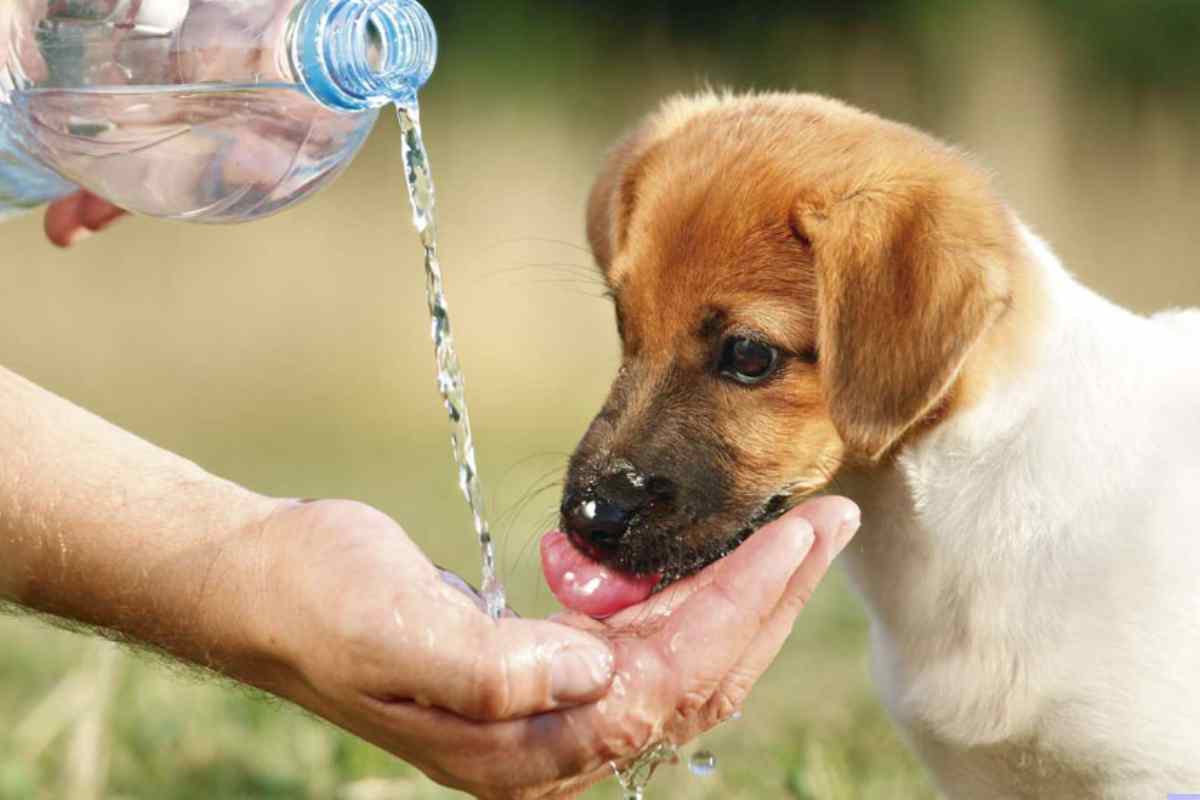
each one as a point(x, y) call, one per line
point(805, 292)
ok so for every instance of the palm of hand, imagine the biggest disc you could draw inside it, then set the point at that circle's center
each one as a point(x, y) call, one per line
point(374, 640)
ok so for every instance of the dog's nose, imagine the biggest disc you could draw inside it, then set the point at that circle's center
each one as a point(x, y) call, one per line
point(597, 521)
point(600, 515)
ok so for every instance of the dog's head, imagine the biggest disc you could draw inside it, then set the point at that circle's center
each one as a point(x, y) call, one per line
point(797, 287)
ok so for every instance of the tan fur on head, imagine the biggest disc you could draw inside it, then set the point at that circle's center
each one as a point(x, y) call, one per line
point(911, 248)
point(871, 258)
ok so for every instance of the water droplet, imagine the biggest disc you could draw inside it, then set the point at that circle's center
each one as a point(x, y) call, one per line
point(703, 763)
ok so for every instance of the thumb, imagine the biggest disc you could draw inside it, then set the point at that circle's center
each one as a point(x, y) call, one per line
point(495, 670)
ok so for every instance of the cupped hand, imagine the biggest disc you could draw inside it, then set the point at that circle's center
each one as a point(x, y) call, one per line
point(77, 216)
point(374, 640)
point(362, 620)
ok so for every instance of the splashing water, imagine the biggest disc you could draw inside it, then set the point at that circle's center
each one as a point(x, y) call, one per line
point(449, 372)
point(633, 778)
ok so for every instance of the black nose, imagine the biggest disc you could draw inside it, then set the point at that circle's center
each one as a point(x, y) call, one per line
point(600, 515)
point(598, 522)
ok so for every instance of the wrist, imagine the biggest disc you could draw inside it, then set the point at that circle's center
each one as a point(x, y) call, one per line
point(244, 627)
point(103, 528)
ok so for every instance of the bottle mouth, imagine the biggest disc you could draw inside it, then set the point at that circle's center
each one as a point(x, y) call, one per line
point(354, 55)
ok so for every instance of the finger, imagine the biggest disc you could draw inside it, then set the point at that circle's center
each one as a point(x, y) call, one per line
point(649, 614)
point(554, 747)
point(712, 630)
point(493, 670)
point(468, 754)
point(710, 622)
point(652, 676)
point(63, 224)
point(653, 611)
point(835, 520)
point(72, 219)
point(97, 214)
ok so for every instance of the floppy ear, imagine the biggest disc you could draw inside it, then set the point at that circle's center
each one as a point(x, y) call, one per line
point(610, 204)
point(613, 196)
point(909, 278)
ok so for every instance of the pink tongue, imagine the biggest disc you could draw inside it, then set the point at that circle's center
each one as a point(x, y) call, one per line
point(586, 586)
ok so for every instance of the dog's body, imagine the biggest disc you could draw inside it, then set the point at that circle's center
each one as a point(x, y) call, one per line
point(1030, 565)
point(809, 294)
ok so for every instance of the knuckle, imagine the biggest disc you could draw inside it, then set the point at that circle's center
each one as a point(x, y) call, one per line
point(631, 738)
point(728, 601)
point(691, 703)
point(492, 678)
point(723, 705)
point(798, 598)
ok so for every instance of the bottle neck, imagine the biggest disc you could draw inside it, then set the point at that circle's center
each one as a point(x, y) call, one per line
point(354, 55)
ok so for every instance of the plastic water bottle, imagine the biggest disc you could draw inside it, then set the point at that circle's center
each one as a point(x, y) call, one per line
point(202, 110)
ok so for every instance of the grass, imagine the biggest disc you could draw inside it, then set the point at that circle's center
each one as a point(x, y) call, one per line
point(293, 356)
point(812, 731)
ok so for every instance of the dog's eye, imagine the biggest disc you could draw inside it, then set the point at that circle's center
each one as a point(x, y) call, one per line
point(747, 361)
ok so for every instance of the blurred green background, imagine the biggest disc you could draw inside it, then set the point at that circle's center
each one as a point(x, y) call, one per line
point(292, 355)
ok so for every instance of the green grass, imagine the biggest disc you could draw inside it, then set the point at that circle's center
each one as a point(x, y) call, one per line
point(812, 730)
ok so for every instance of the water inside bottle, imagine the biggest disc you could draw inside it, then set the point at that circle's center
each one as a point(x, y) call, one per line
point(449, 371)
point(212, 152)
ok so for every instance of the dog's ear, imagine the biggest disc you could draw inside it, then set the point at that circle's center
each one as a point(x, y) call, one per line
point(613, 195)
point(909, 277)
point(615, 192)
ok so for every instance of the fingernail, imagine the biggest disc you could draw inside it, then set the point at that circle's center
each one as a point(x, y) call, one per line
point(851, 522)
point(580, 672)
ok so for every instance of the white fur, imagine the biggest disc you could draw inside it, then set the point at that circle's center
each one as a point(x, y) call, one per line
point(1031, 566)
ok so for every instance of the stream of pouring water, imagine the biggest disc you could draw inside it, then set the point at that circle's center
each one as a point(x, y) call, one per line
point(450, 376)
point(633, 778)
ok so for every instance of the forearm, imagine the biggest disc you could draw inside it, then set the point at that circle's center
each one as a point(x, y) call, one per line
point(101, 527)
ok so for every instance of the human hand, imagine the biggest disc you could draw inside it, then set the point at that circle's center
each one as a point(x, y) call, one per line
point(74, 218)
point(688, 658)
point(447, 690)
point(77, 216)
point(359, 627)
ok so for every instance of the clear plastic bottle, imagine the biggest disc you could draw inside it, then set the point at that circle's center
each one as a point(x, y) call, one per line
point(203, 110)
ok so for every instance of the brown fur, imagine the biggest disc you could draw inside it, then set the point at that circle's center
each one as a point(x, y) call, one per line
point(818, 228)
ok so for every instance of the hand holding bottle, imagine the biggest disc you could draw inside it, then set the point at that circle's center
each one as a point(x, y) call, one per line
point(76, 217)
point(202, 110)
